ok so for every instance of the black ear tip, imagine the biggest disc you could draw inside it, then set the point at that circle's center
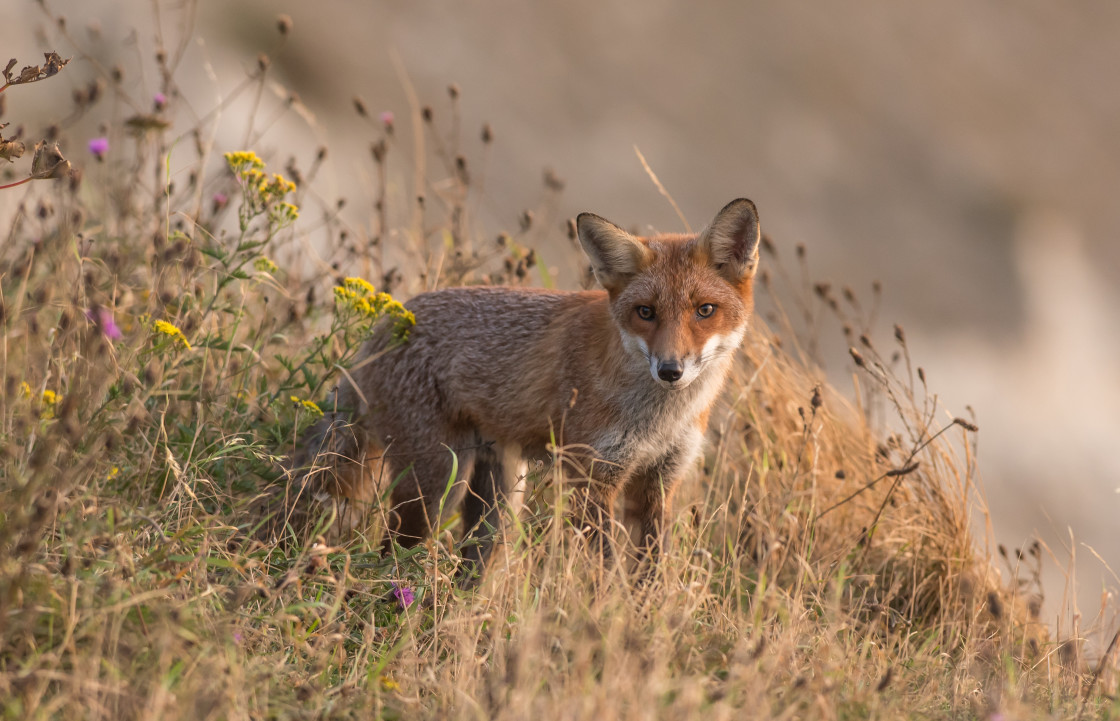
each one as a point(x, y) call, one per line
point(584, 218)
point(741, 205)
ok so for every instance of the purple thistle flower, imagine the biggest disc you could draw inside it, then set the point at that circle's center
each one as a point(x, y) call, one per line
point(219, 201)
point(404, 595)
point(98, 147)
point(160, 101)
point(103, 317)
point(387, 118)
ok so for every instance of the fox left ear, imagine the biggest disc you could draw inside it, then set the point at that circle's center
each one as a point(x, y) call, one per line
point(731, 240)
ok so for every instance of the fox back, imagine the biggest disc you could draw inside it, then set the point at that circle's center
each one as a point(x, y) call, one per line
point(626, 374)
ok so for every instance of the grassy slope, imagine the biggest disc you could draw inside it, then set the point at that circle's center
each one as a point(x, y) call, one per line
point(815, 571)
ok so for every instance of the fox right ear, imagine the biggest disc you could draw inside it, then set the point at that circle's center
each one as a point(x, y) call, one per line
point(615, 254)
point(732, 239)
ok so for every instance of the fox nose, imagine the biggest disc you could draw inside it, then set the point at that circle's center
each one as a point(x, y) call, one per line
point(669, 371)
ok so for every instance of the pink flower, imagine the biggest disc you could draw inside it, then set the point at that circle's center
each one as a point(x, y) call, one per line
point(219, 200)
point(404, 595)
point(160, 100)
point(387, 118)
point(99, 146)
point(103, 317)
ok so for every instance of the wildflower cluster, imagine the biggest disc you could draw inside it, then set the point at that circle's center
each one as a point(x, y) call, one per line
point(358, 297)
point(262, 194)
point(265, 265)
point(164, 328)
point(48, 401)
point(309, 406)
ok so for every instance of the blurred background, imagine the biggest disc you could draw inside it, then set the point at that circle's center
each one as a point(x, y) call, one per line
point(966, 155)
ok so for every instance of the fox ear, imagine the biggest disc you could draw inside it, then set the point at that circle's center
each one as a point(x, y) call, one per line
point(731, 240)
point(615, 254)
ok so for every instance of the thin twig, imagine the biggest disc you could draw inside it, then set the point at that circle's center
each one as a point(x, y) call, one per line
point(661, 189)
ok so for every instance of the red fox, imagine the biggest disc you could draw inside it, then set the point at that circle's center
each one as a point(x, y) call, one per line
point(628, 373)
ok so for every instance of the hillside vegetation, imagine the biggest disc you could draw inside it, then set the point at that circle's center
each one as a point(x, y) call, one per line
point(167, 337)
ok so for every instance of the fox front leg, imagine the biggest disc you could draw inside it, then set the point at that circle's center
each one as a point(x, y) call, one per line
point(593, 511)
point(649, 500)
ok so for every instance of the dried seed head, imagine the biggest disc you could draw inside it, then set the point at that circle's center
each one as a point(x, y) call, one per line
point(899, 334)
point(426, 113)
point(848, 294)
point(48, 162)
point(284, 24)
point(884, 681)
point(768, 245)
point(921, 374)
point(857, 357)
point(461, 169)
point(816, 402)
point(453, 91)
point(263, 62)
point(864, 340)
point(967, 425)
point(360, 106)
point(526, 220)
point(552, 181)
point(487, 134)
point(995, 606)
point(800, 251)
point(841, 474)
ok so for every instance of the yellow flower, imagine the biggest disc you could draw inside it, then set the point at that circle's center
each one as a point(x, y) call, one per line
point(169, 330)
point(360, 296)
point(388, 684)
point(48, 401)
point(25, 389)
point(283, 213)
point(243, 159)
point(264, 265)
point(113, 473)
point(359, 285)
point(307, 405)
point(282, 184)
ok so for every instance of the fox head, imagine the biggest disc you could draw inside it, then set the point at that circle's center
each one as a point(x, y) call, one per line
point(680, 301)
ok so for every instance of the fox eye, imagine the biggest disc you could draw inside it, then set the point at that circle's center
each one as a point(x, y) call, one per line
point(705, 310)
point(645, 312)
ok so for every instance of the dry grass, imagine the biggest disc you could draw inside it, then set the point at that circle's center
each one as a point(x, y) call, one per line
point(823, 563)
